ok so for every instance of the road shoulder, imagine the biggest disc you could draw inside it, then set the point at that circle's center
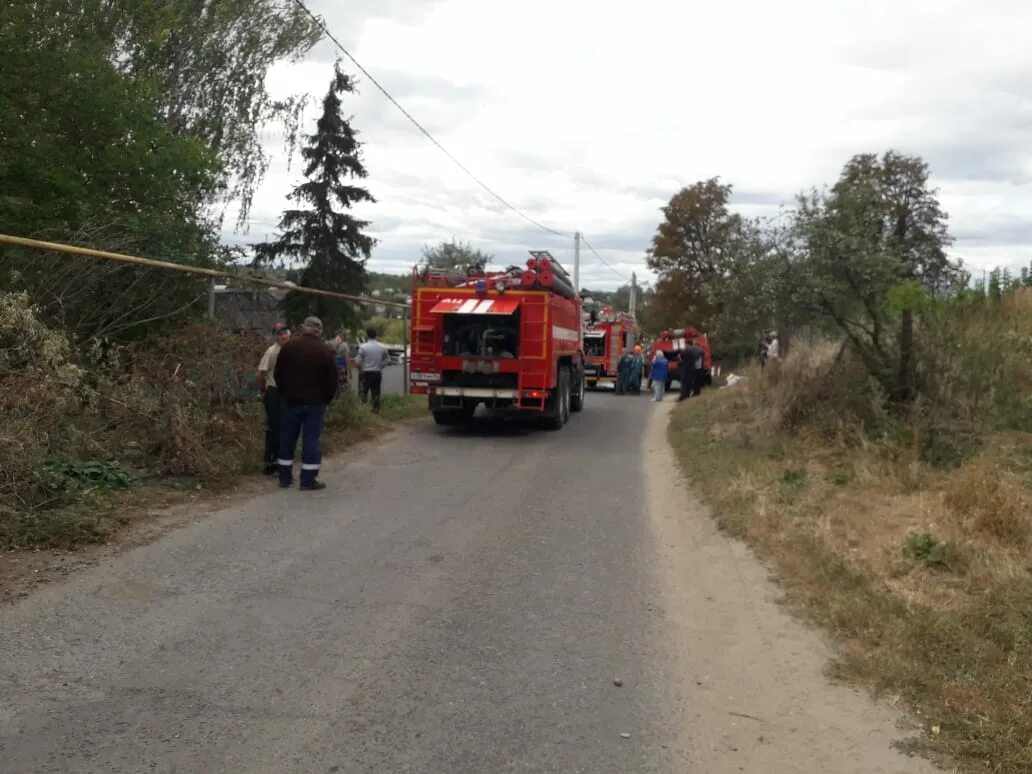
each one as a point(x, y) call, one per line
point(757, 698)
point(24, 571)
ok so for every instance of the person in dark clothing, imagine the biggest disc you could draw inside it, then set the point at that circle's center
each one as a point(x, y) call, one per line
point(701, 374)
point(693, 359)
point(306, 375)
point(623, 374)
point(762, 347)
point(635, 373)
point(685, 376)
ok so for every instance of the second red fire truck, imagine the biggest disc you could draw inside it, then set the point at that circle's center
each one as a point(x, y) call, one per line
point(607, 335)
point(510, 340)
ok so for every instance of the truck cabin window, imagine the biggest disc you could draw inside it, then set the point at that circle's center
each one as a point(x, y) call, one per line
point(482, 335)
point(595, 346)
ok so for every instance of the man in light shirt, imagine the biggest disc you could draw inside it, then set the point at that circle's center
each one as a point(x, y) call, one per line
point(270, 396)
point(371, 359)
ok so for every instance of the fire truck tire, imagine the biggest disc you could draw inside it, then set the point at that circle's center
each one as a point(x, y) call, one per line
point(577, 397)
point(559, 405)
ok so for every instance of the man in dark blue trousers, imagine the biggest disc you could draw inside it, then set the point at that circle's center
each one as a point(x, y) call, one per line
point(306, 375)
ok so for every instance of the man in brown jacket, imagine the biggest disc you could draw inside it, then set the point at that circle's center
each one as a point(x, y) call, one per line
point(306, 375)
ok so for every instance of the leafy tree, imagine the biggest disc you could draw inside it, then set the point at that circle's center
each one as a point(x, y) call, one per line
point(325, 240)
point(694, 252)
point(458, 256)
point(208, 61)
point(879, 226)
point(86, 156)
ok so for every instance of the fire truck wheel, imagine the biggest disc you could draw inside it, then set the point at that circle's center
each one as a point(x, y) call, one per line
point(577, 398)
point(559, 405)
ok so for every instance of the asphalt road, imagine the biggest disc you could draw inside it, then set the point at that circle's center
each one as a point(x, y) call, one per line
point(392, 383)
point(455, 601)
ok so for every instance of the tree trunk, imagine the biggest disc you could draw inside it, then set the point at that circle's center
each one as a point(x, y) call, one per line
point(905, 383)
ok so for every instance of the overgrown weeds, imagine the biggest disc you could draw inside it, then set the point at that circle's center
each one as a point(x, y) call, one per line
point(85, 432)
point(904, 532)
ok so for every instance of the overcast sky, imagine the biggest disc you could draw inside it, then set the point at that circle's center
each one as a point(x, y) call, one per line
point(588, 116)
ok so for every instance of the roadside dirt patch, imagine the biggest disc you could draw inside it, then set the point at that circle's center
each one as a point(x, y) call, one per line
point(759, 696)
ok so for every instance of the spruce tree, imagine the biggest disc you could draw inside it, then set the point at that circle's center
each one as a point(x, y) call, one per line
point(323, 242)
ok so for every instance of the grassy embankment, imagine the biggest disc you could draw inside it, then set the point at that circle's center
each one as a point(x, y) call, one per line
point(905, 535)
point(89, 441)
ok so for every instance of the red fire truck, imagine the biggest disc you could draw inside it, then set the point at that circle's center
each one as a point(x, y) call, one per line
point(671, 342)
point(510, 340)
point(607, 335)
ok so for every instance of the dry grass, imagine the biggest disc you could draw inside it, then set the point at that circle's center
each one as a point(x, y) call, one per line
point(920, 571)
point(85, 440)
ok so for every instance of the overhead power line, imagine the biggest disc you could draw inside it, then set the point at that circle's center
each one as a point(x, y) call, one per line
point(603, 260)
point(421, 128)
point(60, 247)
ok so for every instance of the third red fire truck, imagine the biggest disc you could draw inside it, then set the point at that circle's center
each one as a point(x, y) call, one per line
point(671, 342)
point(510, 340)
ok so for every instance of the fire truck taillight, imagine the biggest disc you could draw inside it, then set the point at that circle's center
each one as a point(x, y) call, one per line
point(536, 394)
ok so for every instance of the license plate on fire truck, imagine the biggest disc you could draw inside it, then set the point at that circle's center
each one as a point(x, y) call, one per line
point(420, 376)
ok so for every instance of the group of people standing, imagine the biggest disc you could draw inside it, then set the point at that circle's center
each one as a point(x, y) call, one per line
point(298, 377)
point(690, 367)
point(630, 370)
point(691, 370)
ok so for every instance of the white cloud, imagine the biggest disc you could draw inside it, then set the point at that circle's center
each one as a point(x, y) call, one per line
point(590, 115)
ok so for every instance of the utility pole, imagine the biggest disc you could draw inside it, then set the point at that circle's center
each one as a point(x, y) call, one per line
point(404, 352)
point(211, 298)
point(633, 302)
point(576, 262)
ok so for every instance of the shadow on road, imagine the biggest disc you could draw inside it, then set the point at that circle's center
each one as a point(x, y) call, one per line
point(488, 425)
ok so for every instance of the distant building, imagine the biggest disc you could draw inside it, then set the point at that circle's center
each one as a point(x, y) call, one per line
point(249, 309)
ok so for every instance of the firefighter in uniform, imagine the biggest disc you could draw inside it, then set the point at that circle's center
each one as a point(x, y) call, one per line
point(306, 375)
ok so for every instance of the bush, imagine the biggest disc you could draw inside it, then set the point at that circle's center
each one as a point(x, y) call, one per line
point(925, 548)
point(72, 431)
point(975, 360)
point(179, 409)
point(823, 387)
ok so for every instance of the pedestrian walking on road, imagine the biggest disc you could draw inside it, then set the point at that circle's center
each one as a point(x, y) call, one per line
point(660, 369)
point(371, 359)
point(306, 374)
point(271, 397)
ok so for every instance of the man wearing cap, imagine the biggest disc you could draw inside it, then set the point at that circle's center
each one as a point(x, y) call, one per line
point(306, 375)
point(270, 396)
